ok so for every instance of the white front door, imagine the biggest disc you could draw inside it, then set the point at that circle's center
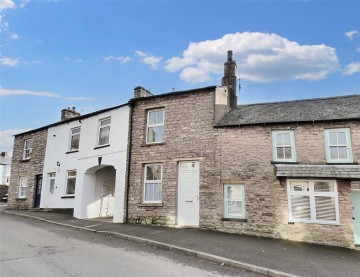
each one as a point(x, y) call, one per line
point(188, 194)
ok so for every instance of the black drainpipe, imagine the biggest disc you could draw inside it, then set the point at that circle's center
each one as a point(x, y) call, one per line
point(131, 105)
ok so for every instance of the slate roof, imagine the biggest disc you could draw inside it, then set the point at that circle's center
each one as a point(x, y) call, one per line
point(318, 171)
point(308, 110)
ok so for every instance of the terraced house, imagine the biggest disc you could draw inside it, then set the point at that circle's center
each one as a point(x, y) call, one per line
point(197, 159)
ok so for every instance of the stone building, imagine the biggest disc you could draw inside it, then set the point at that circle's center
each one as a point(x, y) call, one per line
point(26, 170)
point(283, 170)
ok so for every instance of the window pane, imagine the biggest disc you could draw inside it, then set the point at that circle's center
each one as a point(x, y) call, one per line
point(287, 152)
point(75, 140)
point(104, 129)
point(155, 134)
point(160, 117)
point(153, 172)
point(71, 173)
point(300, 207)
point(22, 192)
point(105, 122)
point(70, 189)
point(343, 153)
point(333, 138)
point(325, 208)
point(323, 187)
point(75, 131)
point(152, 118)
point(234, 207)
point(334, 152)
point(152, 192)
point(299, 186)
point(103, 138)
point(280, 153)
point(279, 139)
point(234, 193)
point(52, 175)
point(342, 138)
point(52, 185)
point(287, 139)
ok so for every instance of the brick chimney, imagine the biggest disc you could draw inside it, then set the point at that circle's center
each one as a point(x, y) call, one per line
point(141, 92)
point(69, 113)
point(229, 79)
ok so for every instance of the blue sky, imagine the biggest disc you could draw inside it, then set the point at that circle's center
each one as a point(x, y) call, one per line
point(91, 54)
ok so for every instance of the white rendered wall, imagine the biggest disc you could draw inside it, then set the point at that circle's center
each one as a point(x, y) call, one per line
point(86, 162)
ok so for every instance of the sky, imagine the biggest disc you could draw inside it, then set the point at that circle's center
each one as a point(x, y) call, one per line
point(92, 54)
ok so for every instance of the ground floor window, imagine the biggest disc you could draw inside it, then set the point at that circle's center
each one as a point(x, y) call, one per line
point(234, 201)
point(71, 181)
point(313, 201)
point(152, 183)
point(22, 187)
point(52, 182)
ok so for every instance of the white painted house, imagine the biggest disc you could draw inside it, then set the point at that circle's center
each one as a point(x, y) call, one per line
point(85, 163)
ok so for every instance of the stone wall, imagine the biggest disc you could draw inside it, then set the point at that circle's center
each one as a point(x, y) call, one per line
point(245, 156)
point(26, 168)
point(188, 135)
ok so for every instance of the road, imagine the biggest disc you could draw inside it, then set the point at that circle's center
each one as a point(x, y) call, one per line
point(33, 248)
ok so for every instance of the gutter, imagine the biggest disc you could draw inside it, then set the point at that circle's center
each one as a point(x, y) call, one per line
point(131, 106)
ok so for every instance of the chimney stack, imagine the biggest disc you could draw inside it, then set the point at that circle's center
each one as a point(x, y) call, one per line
point(229, 79)
point(69, 113)
point(141, 92)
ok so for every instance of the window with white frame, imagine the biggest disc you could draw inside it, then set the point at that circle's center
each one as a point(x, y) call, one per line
point(338, 146)
point(22, 187)
point(27, 149)
point(313, 201)
point(52, 182)
point(75, 138)
point(104, 131)
point(283, 145)
point(71, 181)
point(155, 126)
point(234, 201)
point(152, 183)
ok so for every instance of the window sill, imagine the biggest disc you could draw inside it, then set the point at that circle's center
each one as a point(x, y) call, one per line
point(150, 205)
point(153, 144)
point(101, 146)
point(72, 151)
point(21, 198)
point(25, 160)
point(314, 222)
point(67, 196)
point(234, 219)
point(284, 162)
point(343, 163)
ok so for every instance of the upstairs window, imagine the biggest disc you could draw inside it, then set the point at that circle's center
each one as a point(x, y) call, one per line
point(27, 149)
point(338, 146)
point(104, 131)
point(71, 181)
point(155, 126)
point(22, 187)
point(153, 183)
point(75, 138)
point(283, 146)
point(52, 182)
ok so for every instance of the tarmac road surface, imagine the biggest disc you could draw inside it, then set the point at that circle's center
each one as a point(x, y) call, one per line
point(34, 248)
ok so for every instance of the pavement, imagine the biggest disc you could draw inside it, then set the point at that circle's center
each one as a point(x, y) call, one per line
point(271, 257)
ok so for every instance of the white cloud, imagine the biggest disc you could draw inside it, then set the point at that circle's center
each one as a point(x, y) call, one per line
point(9, 92)
point(9, 61)
point(14, 36)
point(120, 59)
point(351, 34)
point(7, 4)
point(7, 139)
point(357, 49)
point(261, 57)
point(149, 59)
point(80, 98)
point(352, 68)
